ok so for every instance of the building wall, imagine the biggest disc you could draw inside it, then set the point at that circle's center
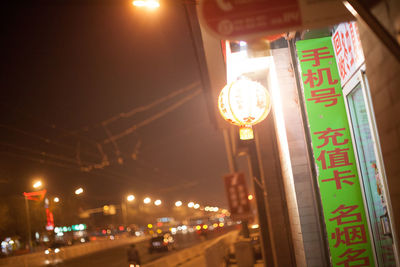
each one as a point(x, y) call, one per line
point(307, 235)
point(383, 74)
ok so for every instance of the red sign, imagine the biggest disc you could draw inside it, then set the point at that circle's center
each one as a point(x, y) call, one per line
point(36, 196)
point(247, 19)
point(236, 190)
point(235, 18)
point(348, 50)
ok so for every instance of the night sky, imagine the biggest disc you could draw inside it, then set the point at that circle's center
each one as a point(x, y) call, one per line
point(67, 67)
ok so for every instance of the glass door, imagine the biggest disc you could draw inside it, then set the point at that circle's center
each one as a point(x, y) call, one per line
point(371, 169)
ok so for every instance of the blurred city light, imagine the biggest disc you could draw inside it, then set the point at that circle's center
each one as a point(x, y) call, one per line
point(147, 200)
point(178, 203)
point(37, 184)
point(157, 202)
point(56, 200)
point(79, 191)
point(196, 206)
point(130, 198)
point(190, 204)
point(250, 197)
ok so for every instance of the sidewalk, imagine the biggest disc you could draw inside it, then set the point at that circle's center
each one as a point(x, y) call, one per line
point(200, 261)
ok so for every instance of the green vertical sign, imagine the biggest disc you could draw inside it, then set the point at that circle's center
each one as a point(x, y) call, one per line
point(341, 196)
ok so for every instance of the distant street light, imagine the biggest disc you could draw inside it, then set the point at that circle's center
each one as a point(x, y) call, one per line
point(147, 200)
point(178, 203)
point(157, 202)
point(130, 198)
point(190, 204)
point(196, 206)
point(56, 200)
point(37, 184)
point(79, 191)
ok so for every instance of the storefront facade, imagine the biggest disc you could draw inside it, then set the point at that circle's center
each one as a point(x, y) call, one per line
point(329, 150)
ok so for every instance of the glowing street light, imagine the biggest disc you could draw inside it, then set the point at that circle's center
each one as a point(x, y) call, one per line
point(196, 206)
point(190, 204)
point(147, 200)
point(150, 4)
point(56, 200)
point(157, 202)
point(37, 184)
point(130, 198)
point(79, 191)
point(178, 203)
point(250, 197)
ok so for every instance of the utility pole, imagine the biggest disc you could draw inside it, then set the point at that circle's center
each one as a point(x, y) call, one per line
point(28, 219)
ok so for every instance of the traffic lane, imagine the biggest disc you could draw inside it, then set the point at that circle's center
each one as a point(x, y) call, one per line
point(117, 257)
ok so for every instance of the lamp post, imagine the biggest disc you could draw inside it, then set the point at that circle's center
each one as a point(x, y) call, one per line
point(36, 185)
point(244, 103)
point(124, 207)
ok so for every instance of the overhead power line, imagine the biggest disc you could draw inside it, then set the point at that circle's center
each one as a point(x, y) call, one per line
point(151, 105)
point(152, 118)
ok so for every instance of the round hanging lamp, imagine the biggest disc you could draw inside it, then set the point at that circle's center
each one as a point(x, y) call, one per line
point(244, 103)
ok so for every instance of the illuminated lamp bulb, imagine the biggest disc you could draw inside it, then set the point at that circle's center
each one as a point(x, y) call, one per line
point(244, 103)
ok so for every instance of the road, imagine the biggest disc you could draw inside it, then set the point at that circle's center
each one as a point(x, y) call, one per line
point(116, 257)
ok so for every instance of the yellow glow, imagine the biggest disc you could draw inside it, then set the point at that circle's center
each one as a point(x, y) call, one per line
point(56, 200)
point(250, 197)
point(244, 102)
point(151, 4)
point(190, 204)
point(215, 225)
point(196, 206)
point(205, 226)
point(37, 184)
point(198, 227)
point(147, 200)
point(255, 226)
point(151, 232)
point(157, 202)
point(159, 231)
point(130, 198)
point(221, 224)
point(149, 226)
point(246, 133)
point(178, 203)
point(79, 191)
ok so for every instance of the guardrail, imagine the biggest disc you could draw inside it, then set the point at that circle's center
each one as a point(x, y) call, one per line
point(214, 252)
point(40, 258)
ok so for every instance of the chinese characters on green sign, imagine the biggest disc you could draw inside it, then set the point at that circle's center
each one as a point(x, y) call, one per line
point(342, 202)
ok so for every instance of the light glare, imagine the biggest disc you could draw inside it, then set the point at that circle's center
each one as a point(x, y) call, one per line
point(147, 200)
point(157, 202)
point(56, 200)
point(178, 203)
point(130, 198)
point(37, 184)
point(79, 191)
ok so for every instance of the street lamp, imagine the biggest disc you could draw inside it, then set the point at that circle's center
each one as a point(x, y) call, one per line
point(79, 191)
point(157, 202)
point(37, 184)
point(130, 198)
point(150, 4)
point(56, 200)
point(178, 203)
point(196, 206)
point(190, 204)
point(147, 200)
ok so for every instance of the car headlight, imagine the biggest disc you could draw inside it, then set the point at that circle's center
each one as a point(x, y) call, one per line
point(56, 250)
point(46, 251)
